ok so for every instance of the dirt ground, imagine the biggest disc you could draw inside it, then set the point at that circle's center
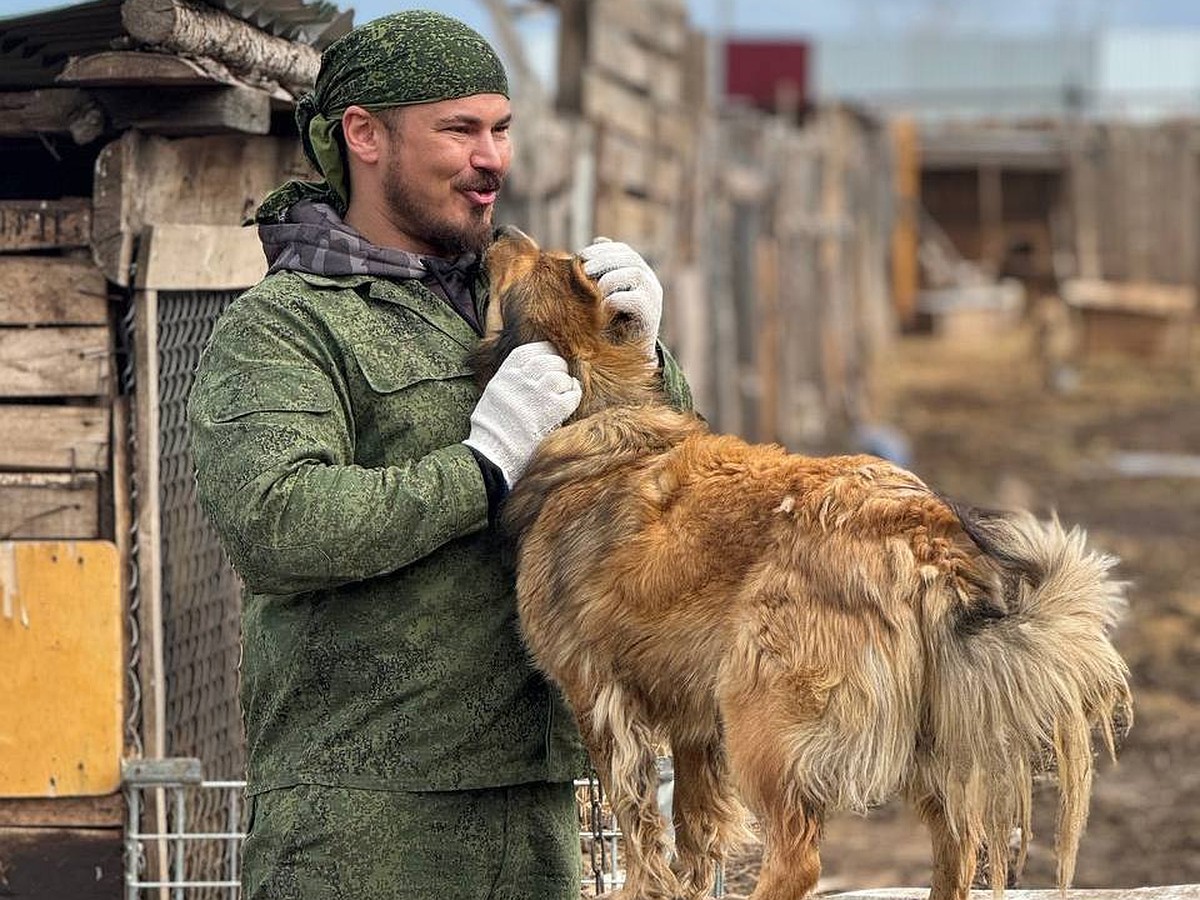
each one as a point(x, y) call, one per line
point(983, 429)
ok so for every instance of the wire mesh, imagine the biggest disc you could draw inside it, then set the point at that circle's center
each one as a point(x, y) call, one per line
point(201, 593)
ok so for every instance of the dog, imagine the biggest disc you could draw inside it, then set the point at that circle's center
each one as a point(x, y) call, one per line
point(810, 634)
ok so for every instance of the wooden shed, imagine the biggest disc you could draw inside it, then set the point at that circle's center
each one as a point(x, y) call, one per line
point(136, 136)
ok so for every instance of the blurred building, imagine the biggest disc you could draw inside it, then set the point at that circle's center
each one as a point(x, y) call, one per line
point(1120, 73)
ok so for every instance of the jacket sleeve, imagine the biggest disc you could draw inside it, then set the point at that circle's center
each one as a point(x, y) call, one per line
point(272, 443)
point(675, 386)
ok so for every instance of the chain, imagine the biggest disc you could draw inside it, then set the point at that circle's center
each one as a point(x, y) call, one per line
point(595, 795)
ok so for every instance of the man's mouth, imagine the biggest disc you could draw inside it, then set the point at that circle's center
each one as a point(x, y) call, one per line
point(482, 193)
point(481, 198)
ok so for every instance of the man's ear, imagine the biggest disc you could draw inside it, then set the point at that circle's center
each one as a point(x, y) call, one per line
point(362, 133)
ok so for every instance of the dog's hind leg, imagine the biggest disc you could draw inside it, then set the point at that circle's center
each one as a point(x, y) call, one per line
point(767, 779)
point(791, 850)
point(708, 819)
point(622, 746)
point(954, 855)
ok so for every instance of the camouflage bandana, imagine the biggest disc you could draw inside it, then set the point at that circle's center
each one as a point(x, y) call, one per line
point(409, 57)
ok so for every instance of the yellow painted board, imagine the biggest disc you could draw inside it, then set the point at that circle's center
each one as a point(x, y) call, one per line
point(61, 668)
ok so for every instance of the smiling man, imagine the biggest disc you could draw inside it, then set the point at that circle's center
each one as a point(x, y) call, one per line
point(399, 743)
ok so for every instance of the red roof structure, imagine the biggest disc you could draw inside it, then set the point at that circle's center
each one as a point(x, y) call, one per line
point(769, 74)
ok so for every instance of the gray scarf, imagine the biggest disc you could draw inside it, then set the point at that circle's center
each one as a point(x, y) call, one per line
point(312, 238)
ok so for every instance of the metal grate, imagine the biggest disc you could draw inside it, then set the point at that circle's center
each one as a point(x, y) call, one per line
point(164, 859)
point(195, 851)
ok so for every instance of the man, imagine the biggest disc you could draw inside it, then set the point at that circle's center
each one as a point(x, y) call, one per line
point(399, 742)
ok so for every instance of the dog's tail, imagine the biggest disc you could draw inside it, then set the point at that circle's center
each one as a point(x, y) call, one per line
point(1020, 684)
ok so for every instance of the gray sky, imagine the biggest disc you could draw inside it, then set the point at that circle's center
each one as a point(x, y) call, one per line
point(816, 17)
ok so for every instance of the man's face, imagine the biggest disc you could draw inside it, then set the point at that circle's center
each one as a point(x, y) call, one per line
point(443, 165)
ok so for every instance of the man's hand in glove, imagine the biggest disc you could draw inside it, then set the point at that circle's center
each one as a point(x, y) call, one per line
point(530, 395)
point(628, 285)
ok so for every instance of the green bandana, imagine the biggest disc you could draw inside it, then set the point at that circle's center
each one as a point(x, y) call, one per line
point(409, 57)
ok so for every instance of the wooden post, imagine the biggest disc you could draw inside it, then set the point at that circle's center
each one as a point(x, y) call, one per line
point(149, 542)
point(833, 215)
point(991, 218)
point(572, 54)
point(906, 229)
point(147, 514)
point(770, 327)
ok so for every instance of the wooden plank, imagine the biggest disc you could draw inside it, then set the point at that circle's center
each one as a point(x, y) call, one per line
point(71, 438)
point(51, 111)
point(118, 68)
point(1166, 892)
point(45, 224)
point(51, 290)
point(49, 505)
point(200, 257)
point(60, 612)
point(624, 163)
point(55, 361)
point(634, 220)
point(192, 111)
point(80, 863)
point(661, 24)
point(1135, 297)
point(104, 811)
point(617, 107)
point(613, 51)
point(146, 180)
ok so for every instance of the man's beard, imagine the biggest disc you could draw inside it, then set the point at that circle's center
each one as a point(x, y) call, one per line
point(451, 239)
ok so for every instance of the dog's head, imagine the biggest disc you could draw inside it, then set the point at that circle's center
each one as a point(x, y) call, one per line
point(538, 295)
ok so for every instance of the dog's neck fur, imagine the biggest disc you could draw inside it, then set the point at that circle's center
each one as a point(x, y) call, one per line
point(615, 380)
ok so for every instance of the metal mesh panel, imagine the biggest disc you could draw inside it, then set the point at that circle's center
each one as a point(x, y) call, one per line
point(201, 593)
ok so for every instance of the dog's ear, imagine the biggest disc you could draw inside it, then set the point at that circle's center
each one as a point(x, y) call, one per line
point(615, 326)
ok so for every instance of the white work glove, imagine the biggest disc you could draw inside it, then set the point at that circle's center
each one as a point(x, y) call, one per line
point(530, 395)
point(628, 285)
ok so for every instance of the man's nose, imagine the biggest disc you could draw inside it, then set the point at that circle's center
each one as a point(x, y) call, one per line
point(487, 154)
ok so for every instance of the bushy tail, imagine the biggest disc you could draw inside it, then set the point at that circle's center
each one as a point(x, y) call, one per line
point(1024, 689)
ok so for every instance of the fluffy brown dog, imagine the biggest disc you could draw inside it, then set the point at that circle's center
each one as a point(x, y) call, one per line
point(810, 634)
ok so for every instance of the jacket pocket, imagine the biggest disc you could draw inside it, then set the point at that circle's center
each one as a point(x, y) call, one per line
point(388, 372)
point(270, 389)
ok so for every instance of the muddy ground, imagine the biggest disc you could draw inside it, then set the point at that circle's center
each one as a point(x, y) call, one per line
point(984, 429)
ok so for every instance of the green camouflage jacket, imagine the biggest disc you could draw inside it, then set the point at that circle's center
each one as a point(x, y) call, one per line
point(380, 641)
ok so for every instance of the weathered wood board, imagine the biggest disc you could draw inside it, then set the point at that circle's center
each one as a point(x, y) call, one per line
point(55, 362)
point(49, 290)
point(49, 505)
point(45, 224)
point(61, 639)
point(75, 863)
point(69, 438)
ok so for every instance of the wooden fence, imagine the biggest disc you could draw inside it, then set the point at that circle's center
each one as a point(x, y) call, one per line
point(771, 237)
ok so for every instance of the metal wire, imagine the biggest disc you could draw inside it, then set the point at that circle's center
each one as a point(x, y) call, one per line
point(201, 593)
point(127, 381)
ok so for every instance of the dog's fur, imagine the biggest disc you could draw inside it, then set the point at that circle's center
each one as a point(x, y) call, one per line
point(810, 634)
